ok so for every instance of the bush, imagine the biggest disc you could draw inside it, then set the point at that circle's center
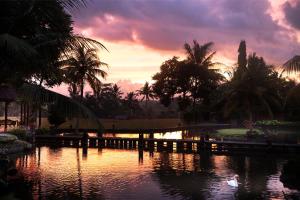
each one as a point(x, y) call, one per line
point(268, 122)
point(20, 133)
point(7, 138)
point(42, 131)
point(237, 132)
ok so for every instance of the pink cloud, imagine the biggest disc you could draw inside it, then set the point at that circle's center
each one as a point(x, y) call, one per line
point(166, 25)
point(128, 86)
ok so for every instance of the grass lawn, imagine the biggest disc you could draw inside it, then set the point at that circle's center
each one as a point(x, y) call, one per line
point(234, 132)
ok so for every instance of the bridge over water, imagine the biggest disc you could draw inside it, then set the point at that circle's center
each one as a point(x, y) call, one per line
point(177, 145)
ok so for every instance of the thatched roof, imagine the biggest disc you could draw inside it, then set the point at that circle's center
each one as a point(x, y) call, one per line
point(7, 93)
point(293, 65)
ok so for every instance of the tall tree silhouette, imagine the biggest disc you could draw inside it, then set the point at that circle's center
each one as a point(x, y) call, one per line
point(165, 86)
point(242, 59)
point(190, 80)
point(116, 91)
point(204, 77)
point(253, 89)
point(33, 37)
point(131, 102)
point(200, 54)
point(146, 93)
point(84, 67)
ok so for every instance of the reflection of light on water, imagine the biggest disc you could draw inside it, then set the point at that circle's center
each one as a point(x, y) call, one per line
point(121, 135)
point(169, 135)
point(118, 174)
point(93, 134)
point(59, 168)
point(275, 187)
point(214, 146)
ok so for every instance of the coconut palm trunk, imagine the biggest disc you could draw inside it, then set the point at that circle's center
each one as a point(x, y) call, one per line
point(81, 99)
point(40, 116)
point(250, 117)
point(84, 65)
point(81, 89)
point(147, 109)
point(40, 108)
point(21, 112)
point(251, 121)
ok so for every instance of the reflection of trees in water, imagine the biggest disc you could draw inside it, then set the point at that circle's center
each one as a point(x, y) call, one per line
point(187, 175)
point(79, 172)
point(141, 156)
point(25, 186)
point(55, 150)
point(36, 186)
point(254, 173)
point(202, 176)
point(290, 174)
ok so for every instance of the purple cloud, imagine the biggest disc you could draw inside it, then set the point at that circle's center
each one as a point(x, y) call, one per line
point(167, 24)
point(292, 13)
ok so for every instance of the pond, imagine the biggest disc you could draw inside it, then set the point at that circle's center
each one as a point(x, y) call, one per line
point(95, 173)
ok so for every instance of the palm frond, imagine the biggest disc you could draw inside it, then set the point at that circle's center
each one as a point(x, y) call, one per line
point(189, 51)
point(16, 45)
point(70, 4)
point(99, 72)
point(292, 65)
point(79, 40)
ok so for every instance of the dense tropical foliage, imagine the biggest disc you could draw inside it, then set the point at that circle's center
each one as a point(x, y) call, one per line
point(83, 66)
point(35, 36)
point(255, 89)
point(190, 81)
point(39, 49)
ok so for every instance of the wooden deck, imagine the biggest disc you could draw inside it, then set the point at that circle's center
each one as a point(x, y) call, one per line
point(177, 145)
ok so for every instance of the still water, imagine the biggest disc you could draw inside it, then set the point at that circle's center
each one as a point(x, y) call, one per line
point(73, 173)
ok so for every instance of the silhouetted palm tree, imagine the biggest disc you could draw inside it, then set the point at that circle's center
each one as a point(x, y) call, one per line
point(84, 66)
point(200, 54)
point(253, 90)
point(146, 93)
point(131, 102)
point(204, 78)
point(37, 34)
point(116, 91)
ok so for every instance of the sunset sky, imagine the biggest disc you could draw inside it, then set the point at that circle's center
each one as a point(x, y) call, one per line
point(141, 34)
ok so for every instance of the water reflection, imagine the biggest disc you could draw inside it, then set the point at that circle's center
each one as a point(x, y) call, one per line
point(73, 173)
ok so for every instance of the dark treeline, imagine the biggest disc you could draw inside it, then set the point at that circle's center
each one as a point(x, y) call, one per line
point(36, 40)
point(254, 90)
point(38, 49)
point(110, 102)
